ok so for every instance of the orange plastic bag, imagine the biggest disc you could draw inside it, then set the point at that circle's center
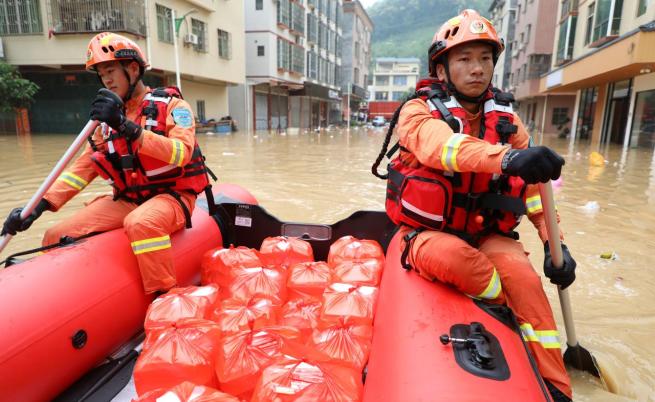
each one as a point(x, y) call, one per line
point(301, 314)
point(261, 281)
point(187, 392)
point(179, 303)
point(364, 272)
point(349, 248)
point(291, 379)
point(238, 315)
point(308, 279)
point(190, 328)
point(344, 342)
point(177, 354)
point(218, 264)
point(285, 251)
point(241, 357)
point(356, 303)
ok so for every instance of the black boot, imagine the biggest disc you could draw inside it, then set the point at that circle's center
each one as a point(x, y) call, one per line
point(556, 394)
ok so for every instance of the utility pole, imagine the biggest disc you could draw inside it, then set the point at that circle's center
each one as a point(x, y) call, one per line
point(348, 106)
point(177, 57)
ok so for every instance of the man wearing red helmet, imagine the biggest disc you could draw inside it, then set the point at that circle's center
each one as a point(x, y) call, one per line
point(146, 149)
point(477, 176)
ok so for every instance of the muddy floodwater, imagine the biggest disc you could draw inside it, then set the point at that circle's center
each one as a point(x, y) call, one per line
point(323, 177)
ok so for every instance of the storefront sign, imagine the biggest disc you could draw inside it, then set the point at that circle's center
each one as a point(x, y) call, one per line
point(332, 94)
point(554, 79)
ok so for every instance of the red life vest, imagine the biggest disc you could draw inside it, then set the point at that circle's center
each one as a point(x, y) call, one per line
point(464, 203)
point(136, 177)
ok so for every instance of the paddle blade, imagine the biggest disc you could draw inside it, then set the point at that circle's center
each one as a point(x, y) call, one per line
point(581, 359)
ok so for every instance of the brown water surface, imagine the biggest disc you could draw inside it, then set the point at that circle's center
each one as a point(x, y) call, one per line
point(323, 177)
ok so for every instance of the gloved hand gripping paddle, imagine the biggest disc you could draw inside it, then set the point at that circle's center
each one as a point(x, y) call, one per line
point(110, 109)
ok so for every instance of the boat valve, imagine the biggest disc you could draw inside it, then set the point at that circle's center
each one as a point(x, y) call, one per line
point(445, 340)
point(477, 345)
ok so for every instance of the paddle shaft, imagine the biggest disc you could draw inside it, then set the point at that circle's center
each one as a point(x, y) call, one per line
point(555, 245)
point(88, 129)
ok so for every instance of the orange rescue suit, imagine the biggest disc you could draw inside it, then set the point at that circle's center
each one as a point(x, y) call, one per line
point(148, 224)
point(497, 269)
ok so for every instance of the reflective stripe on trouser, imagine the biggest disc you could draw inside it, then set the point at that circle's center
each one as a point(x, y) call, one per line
point(148, 227)
point(525, 295)
point(449, 259)
point(445, 257)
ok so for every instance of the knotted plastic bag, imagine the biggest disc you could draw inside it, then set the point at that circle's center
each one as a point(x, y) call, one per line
point(260, 281)
point(301, 314)
point(344, 342)
point(308, 279)
point(217, 264)
point(363, 272)
point(241, 357)
point(349, 248)
point(346, 301)
point(285, 251)
point(179, 353)
point(180, 303)
point(237, 314)
point(186, 392)
point(301, 380)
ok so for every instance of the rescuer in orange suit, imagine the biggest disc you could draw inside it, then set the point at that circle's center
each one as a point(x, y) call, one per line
point(477, 251)
point(146, 149)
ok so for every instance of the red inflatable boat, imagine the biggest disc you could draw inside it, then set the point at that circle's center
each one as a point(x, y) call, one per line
point(65, 311)
point(430, 342)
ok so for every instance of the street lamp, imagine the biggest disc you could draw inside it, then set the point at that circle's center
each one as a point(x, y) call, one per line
point(176, 22)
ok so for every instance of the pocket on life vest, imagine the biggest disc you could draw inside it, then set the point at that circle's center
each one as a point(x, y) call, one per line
point(425, 201)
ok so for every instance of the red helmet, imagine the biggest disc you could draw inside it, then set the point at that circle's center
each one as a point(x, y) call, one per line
point(468, 26)
point(108, 46)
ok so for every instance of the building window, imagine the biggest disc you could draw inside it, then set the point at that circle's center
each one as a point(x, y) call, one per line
point(527, 33)
point(199, 29)
point(224, 45)
point(560, 116)
point(283, 54)
point(164, 24)
point(200, 110)
point(397, 95)
point(590, 23)
point(259, 4)
point(260, 50)
point(642, 5)
point(566, 39)
point(356, 76)
point(606, 24)
point(82, 16)
point(381, 96)
point(20, 17)
point(400, 80)
point(382, 80)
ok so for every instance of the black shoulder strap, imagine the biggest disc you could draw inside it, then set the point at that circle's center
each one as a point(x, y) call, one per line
point(445, 114)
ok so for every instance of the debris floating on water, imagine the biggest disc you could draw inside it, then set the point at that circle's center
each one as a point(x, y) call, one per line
point(610, 255)
point(591, 207)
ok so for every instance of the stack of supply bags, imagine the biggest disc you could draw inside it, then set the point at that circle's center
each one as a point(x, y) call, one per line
point(268, 324)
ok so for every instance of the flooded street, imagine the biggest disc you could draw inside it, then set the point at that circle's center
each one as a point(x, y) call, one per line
point(324, 177)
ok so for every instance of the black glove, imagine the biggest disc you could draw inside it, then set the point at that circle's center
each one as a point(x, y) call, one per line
point(559, 276)
point(533, 165)
point(108, 108)
point(14, 223)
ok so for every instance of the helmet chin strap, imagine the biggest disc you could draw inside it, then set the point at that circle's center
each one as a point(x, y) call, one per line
point(131, 88)
point(457, 94)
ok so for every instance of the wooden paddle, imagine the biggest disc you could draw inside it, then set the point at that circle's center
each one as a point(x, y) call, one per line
point(575, 355)
point(88, 129)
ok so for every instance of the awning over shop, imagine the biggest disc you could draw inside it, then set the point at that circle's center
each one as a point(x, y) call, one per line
point(629, 55)
point(318, 91)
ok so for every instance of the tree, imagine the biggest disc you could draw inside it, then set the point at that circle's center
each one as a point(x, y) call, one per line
point(16, 92)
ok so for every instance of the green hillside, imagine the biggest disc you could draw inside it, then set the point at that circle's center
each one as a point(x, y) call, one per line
point(404, 28)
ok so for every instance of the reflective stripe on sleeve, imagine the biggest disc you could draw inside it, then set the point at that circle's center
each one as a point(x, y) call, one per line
point(533, 204)
point(73, 180)
point(549, 339)
point(449, 152)
point(493, 288)
point(152, 244)
point(177, 156)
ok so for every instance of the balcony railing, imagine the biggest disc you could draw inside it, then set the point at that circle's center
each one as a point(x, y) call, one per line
point(78, 16)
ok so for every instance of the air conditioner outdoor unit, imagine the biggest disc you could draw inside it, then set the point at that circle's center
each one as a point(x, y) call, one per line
point(191, 39)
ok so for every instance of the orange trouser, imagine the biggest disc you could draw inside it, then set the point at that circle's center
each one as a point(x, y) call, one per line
point(148, 227)
point(499, 271)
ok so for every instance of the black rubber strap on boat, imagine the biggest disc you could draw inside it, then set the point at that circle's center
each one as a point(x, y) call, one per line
point(409, 240)
point(64, 241)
